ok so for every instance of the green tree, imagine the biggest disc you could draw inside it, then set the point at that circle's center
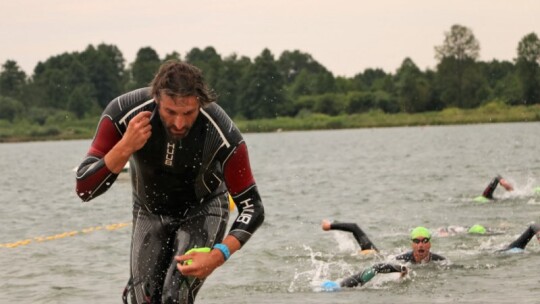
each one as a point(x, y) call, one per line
point(508, 89)
point(262, 89)
point(496, 73)
point(412, 89)
point(307, 83)
point(12, 79)
point(291, 64)
point(82, 100)
point(303, 75)
point(344, 84)
point(105, 69)
point(209, 61)
point(58, 77)
point(229, 82)
point(50, 78)
point(457, 57)
point(172, 56)
point(330, 104)
point(435, 102)
point(528, 68)
point(385, 101)
point(359, 102)
point(459, 44)
point(10, 108)
point(144, 67)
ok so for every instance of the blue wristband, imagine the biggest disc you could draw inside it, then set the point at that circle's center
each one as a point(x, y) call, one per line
point(224, 249)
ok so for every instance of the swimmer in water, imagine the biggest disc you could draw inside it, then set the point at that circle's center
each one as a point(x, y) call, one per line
point(421, 248)
point(420, 242)
point(420, 253)
point(476, 229)
point(488, 192)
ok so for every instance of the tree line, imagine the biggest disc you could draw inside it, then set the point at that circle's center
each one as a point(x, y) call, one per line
point(83, 83)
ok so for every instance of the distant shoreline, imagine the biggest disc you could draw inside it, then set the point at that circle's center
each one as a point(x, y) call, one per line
point(490, 113)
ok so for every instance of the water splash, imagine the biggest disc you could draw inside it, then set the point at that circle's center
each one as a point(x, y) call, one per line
point(320, 268)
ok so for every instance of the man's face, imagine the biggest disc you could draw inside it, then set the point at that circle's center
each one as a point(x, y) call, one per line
point(178, 114)
point(421, 246)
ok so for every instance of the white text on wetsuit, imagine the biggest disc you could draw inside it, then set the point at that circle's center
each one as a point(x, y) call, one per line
point(247, 212)
point(169, 155)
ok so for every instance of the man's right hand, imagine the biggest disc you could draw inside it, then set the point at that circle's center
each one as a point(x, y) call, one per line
point(326, 225)
point(138, 132)
point(506, 185)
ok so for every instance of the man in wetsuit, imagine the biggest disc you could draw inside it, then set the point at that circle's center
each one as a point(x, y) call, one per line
point(488, 192)
point(420, 237)
point(186, 156)
point(421, 248)
point(366, 247)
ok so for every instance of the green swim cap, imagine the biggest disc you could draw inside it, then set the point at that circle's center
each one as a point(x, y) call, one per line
point(537, 190)
point(481, 199)
point(420, 232)
point(477, 229)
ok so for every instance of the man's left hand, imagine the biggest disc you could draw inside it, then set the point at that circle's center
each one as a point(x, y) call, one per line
point(202, 264)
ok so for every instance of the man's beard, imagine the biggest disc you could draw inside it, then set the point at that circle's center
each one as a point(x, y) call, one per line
point(170, 134)
point(174, 135)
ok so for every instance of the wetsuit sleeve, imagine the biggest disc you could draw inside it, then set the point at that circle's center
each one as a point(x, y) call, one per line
point(406, 257)
point(93, 177)
point(437, 257)
point(369, 273)
point(360, 236)
point(389, 268)
point(242, 187)
point(522, 241)
point(488, 192)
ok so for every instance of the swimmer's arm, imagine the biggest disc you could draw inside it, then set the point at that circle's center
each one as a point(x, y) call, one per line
point(243, 189)
point(488, 192)
point(369, 273)
point(388, 268)
point(109, 153)
point(93, 177)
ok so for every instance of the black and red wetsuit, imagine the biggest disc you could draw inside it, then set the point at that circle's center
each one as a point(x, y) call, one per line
point(180, 192)
point(488, 192)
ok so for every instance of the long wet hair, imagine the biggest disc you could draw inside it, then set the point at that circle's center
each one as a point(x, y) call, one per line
point(180, 79)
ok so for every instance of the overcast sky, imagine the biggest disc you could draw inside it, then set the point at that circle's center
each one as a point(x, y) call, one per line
point(346, 36)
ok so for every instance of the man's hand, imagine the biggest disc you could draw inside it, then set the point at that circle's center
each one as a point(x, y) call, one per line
point(138, 132)
point(325, 225)
point(202, 264)
point(404, 270)
point(506, 184)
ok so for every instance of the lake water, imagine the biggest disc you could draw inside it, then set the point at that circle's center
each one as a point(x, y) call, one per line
point(55, 249)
